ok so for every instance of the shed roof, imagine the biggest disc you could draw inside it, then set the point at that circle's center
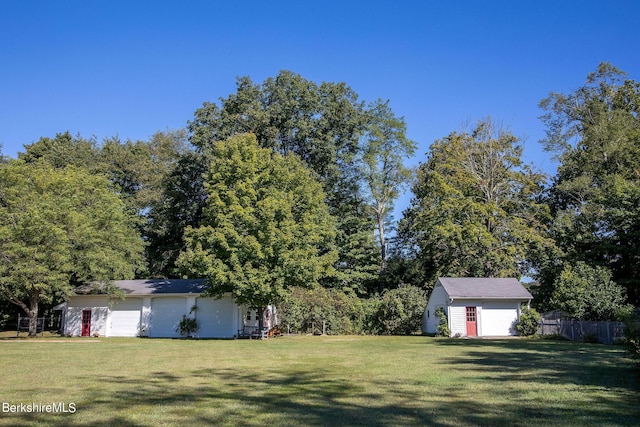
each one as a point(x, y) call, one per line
point(484, 288)
point(150, 287)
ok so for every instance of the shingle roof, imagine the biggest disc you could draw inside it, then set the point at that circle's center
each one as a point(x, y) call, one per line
point(151, 287)
point(484, 287)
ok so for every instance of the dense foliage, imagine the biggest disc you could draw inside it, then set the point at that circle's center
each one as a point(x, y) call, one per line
point(443, 323)
point(60, 228)
point(265, 225)
point(331, 311)
point(476, 209)
point(282, 191)
point(588, 293)
point(632, 336)
point(529, 322)
point(400, 311)
point(595, 133)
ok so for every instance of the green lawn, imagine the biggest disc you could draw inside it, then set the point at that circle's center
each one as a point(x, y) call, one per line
point(319, 381)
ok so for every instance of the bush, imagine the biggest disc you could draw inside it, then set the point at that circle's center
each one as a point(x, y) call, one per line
point(336, 312)
point(321, 310)
point(590, 339)
point(187, 326)
point(443, 324)
point(632, 336)
point(528, 323)
point(400, 310)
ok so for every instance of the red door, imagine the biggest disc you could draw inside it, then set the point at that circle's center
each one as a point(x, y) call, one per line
point(86, 323)
point(472, 324)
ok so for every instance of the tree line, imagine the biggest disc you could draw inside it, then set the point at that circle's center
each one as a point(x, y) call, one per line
point(288, 184)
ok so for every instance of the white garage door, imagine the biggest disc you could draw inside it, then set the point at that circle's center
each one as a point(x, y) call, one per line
point(498, 318)
point(125, 318)
point(216, 318)
point(165, 316)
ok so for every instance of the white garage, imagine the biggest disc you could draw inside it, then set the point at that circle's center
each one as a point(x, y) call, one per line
point(498, 318)
point(166, 313)
point(476, 306)
point(153, 308)
point(125, 318)
point(216, 317)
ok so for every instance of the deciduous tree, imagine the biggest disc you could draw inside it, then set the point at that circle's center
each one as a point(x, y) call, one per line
point(60, 227)
point(386, 147)
point(476, 208)
point(265, 226)
point(320, 123)
point(588, 293)
point(595, 134)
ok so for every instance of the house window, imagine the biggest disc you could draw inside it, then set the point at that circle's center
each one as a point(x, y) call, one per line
point(471, 314)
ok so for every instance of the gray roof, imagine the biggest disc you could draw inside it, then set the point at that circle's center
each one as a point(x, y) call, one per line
point(150, 287)
point(484, 287)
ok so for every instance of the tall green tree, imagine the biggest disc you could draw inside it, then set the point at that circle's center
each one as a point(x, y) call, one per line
point(144, 173)
point(60, 227)
point(476, 209)
point(62, 150)
point(266, 226)
point(320, 123)
point(386, 147)
point(181, 206)
point(595, 133)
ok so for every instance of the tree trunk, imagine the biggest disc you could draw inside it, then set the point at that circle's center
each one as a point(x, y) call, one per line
point(383, 246)
point(33, 316)
point(261, 311)
point(31, 311)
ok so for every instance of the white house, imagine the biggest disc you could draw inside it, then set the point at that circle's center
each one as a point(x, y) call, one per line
point(476, 306)
point(154, 308)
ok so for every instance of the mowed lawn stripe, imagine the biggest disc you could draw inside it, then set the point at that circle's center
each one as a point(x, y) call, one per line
point(321, 381)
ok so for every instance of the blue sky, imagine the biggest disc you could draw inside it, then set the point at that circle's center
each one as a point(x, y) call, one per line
point(131, 68)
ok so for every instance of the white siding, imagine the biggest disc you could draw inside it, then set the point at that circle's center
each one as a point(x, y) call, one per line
point(99, 312)
point(498, 318)
point(217, 318)
point(438, 298)
point(166, 313)
point(458, 316)
point(125, 318)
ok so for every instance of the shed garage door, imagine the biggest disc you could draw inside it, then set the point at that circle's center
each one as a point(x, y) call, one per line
point(216, 318)
point(125, 318)
point(498, 318)
point(165, 316)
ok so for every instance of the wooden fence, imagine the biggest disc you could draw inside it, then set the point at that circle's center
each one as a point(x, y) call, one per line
point(581, 330)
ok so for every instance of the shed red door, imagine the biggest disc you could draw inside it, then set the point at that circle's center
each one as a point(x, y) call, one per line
point(86, 323)
point(472, 324)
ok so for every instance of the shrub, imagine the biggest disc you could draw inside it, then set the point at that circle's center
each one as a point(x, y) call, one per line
point(187, 326)
point(590, 339)
point(397, 311)
point(400, 310)
point(632, 336)
point(443, 324)
point(528, 323)
point(322, 310)
point(588, 293)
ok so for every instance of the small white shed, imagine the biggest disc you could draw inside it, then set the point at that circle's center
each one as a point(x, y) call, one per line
point(476, 306)
point(154, 308)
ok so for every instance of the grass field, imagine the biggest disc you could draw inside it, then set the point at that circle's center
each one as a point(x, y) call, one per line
point(319, 381)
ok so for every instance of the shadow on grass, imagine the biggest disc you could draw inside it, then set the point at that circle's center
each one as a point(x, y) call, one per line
point(551, 362)
point(318, 396)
